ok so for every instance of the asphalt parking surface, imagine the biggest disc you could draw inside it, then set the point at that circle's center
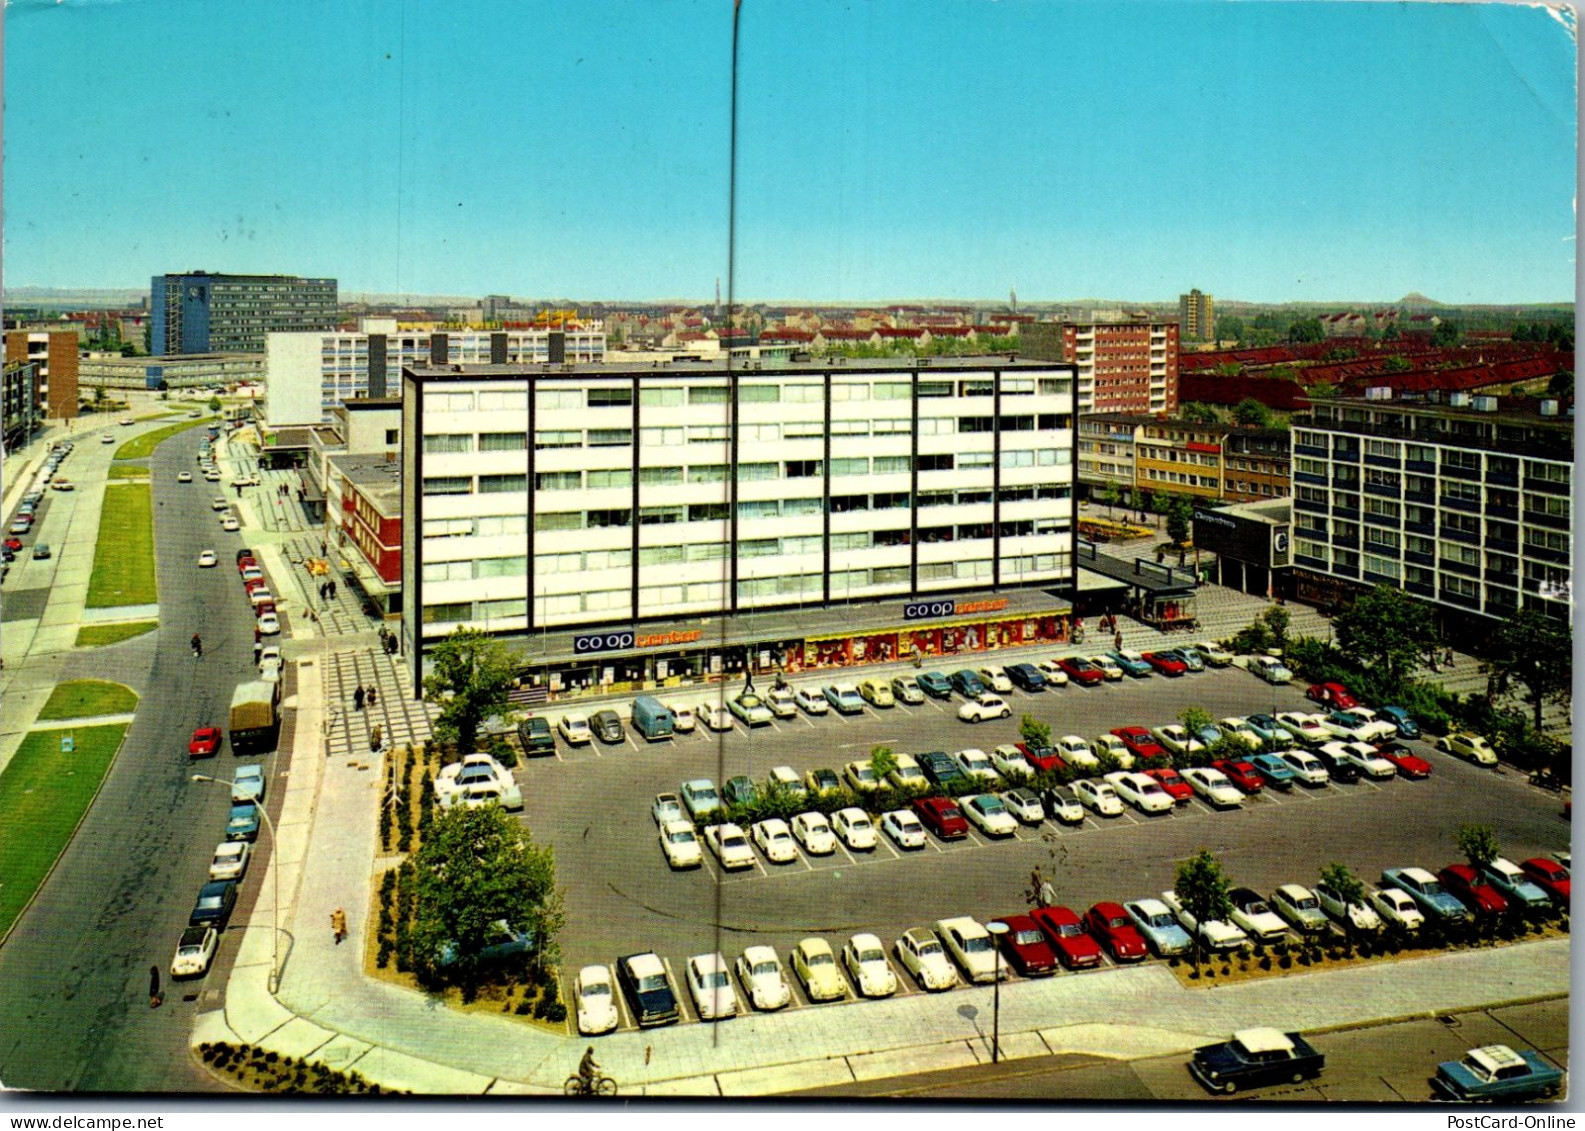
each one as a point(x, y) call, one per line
point(592, 804)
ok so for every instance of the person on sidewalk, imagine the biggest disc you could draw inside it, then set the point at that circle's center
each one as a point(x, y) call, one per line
point(258, 650)
point(1117, 641)
point(338, 925)
point(376, 739)
point(357, 698)
point(372, 697)
point(155, 996)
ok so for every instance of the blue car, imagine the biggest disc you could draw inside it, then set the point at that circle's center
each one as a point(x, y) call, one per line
point(1208, 736)
point(1139, 669)
point(934, 684)
point(1497, 1072)
point(1427, 891)
point(1398, 717)
point(243, 823)
point(1267, 728)
point(967, 684)
point(1026, 677)
point(1274, 770)
point(1158, 926)
point(1516, 887)
point(845, 699)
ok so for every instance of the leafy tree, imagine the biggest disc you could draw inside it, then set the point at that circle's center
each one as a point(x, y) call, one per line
point(470, 679)
point(1179, 514)
point(1397, 363)
point(1321, 390)
point(1306, 330)
point(1537, 651)
point(1348, 889)
point(1283, 372)
point(883, 760)
point(1277, 619)
point(1261, 338)
point(1034, 732)
point(1386, 631)
point(1195, 719)
point(1230, 328)
point(1110, 495)
point(1251, 412)
point(475, 868)
point(1560, 337)
point(1267, 320)
point(1202, 889)
point(1391, 333)
point(1197, 413)
point(214, 404)
point(1228, 369)
point(1477, 843)
point(1340, 353)
point(1561, 384)
point(1227, 748)
point(1447, 333)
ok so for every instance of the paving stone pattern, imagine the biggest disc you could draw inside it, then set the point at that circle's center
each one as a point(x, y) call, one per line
point(402, 720)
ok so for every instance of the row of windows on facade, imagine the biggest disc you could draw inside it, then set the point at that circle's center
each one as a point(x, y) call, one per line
point(603, 519)
point(1457, 491)
point(1462, 458)
point(1498, 591)
point(711, 594)
point(1534, 537)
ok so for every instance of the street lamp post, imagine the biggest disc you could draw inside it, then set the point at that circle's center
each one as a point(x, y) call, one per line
point(997, 928)
point(275, 873)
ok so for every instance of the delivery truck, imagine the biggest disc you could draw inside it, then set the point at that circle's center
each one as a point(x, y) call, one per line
point(255, 718)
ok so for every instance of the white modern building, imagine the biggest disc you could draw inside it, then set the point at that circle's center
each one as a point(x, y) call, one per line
point(1463, 501)
point(308, 374)
point(634, 524)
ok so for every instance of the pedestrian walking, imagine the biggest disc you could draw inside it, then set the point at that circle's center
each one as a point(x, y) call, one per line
point(155, 996)
point(258, 650)
point(375, 739)
point(338, 925)
point(1448, 658)
point(334, 588)
point(323, 549)
point(357, 698)
point(1117, 641)
point(373, 695)
point(258, 635)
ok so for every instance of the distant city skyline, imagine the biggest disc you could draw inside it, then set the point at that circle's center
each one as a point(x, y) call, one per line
point(1262, 152)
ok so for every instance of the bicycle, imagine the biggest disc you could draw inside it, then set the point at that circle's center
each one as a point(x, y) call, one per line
point(599, 1086)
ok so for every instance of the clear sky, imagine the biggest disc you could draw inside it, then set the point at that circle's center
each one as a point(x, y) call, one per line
point(1264, 151)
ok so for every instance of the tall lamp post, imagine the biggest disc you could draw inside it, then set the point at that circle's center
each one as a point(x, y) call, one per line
point(275, 872)
point(997, 928)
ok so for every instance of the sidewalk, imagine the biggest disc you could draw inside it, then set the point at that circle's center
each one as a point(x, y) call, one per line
point(327, 1011)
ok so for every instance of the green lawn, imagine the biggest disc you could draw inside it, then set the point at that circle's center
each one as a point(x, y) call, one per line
point(85, 698)
point(143, 446)
point(124, 554)
point(43, 795)
point(139, 472)
point(98, 635)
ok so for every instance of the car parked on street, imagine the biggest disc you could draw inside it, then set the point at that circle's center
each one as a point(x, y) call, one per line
point(1255, 1057)
point(195, 950)
point(205, 742)
point(214, 905)
point(922, 955)
point(594, 991)
point(1497, 1072)
point(247, 783)
point(1471, 747)
point(230, 861)
point(242, 823)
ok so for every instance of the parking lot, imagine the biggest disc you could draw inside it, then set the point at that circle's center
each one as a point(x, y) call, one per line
point(592, 804)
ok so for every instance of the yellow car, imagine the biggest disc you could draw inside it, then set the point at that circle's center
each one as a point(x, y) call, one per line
point(877, 693)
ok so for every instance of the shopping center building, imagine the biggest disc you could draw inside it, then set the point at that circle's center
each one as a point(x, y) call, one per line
point(631, 526)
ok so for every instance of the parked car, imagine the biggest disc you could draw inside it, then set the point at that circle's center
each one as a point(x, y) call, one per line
point(775, 840)
point(976, 766)
point(594, 991)
point(459, 783)
point(1255, 917)
point(1270, 669)
point(1026, 948)
point(1008, 760)
point(1099, 797)
point(970, 945)
point(699, 798)
point(855, 828)
point(1082, 671)
point(1405, 761)
point(1348, 761)
point(1401, 719)
point(784, 779)
point(230, 861)
point(844, 699)
point(1190, 657)
point(649, 991)
point(822, 780)
point(1550, 876)
point(866, 964)
point(195, 950)
point(1426, 890)
point(680, 845)
point(1214, 654)
point(667, 807)
point(1306, 767)
point(575, 730)
point(1132, 663)
point(1333, 695)
point(713, 715)
point(205, 742)
point(941, 816)
point(749, 708)
point(781, 702)
point(1471, 889)
point(1142, 745)
point(1357, 915)
point(1255, 1057)
point(729, 846)
point(1273, 770)
point(903, 828)
point(607, 727)
point(906, 774)
point(1235, 727)
point(1359, 724)
point(1177, 739)
point(242, 823)
point(922, 955)
point(1469, 746)
point(968, 684)
point(984, 707)
point(1025, 806)
point(1112, 927)
point(711, 988)
point(1076, 752)
point(1397, 907)
point(1219, 934)
point(1062, 805)
point(935, 684)
point(1026, 677)
point(269, 624)
point(813, 831)
point(1110, 744)
point(1497, 1072)
point(986, 812)
point(816, 968)
point(1299, 908)
point(941, 770)
point(996, 679)
point(1142, 792)
point(740, 790)
point(534, 735)
point(214, 905)
point(247, 783)
point(763, 978)
point(861, 777)
point(906, 689)
point(1167, 663)
point(1157, 927)
point(810, 701)
point(1303, 728)
point(1214, 786)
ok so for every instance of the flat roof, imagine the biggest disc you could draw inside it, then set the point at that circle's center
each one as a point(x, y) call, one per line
point(1157, 578)
point(723, 366)
point(376, 478)
point(1264, 510)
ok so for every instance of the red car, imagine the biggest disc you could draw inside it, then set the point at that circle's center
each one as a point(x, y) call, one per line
point(253, 583)
point(941, 816)
point(1074, 945)
point(1409, 765)
point(1333, 695)
point(1242, 774)
point(263, 607)
point(13, 544)
point(1472, 891)
point(1081, 670)
point(1110, 924)
point(1548, 875)
point(247, 563)
point(1143, 745)
point(205, 743)
point(1041, 757)
point(1166, 665)
point(1176, 787)
point(1025, 947)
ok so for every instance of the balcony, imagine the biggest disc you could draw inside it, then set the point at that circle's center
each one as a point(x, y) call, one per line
point(1340, 483)
point(1545, 485)
point(1450, 597)
point(1310, 505)
point(1309, 477)
point(1464, 536)
point(1309, 562)
point(1496, 510)
point(1382, 490)
point(1309, 450)
point(1344, 542)
point(1468, 506)
point(1350, 455)
point(1453, 471)
point(1343, 510)
point(1503, 577)
point(1420, 587)
point(1380, 578)
point(1468, 569)
point(1342, 570)
point(1502, 545)
point(1420, 496)
point(1423, 466)
point(1382, 461)
point(1502, 478)
point(1418, 558)
point(1544, 554)
point(1537, 518)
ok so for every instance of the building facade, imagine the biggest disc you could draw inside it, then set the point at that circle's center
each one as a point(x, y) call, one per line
point(21, 411)
point(1465, 502)
point(1122, 366)
point(55, 354)
point(308, 375)
point(199, 312)
point(113, 371)
point(1219, 462)
point(1196, 317)
point(633, 525)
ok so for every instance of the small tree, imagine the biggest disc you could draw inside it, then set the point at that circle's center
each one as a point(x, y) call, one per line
point(1537, 651)
point(1202, 889)
point(1179, 514)
point(1478, 843)
point(1386, 631)
point(1110, 495)
point(883, 760)
point(1277, 619)
point(1348, 889)
point(214, 404)
point(1196, 412)
point(1195, 719)
point(471, 677)
point(1034, 732)
point(1227, 748)
point(1251, 412)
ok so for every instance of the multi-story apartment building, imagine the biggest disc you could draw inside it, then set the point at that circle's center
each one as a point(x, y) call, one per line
point(1223, 462)
point(1105, 450)
point(21, 413)
point(55, 352)
point(365, 525)
point(113, 371)
point(307, 375)
point(1464, 501)
point(635, 525)
point(199, 312)
point(1122, 366)
point(1196, 317)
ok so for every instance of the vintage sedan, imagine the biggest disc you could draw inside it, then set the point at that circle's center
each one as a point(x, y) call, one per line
point(1075, 751)
point(595, 994)
point(810, 701)
point(866, 964)
point(455, 780)
point(1214, 786)
point(1025, 947)
point(903, 828)
point(1158, 927)
point(987, 813)
point(1142, 744)
point(195, 950)
point(1214, 654)
point(204, 743)
point(942, 816)
point(1397, 907)
point(666, 808)
point(1299, 906)
point(1026, 677)
point(860, 776)
point(1110, 668)
point(906, 774)
point(1497, 1072)
point(1402, 720)
point(1255, 917)
point(1219, 934)
point(1550, 876)
point(1304, 728)
point(816, 967)
point(935, 684)
point(1471, 747)
point(729, 846)
point(822, 780)
point(699, 798)
point(575, 730)
point(976, 766)
point(1255, 1057)
point(711, 987)
point(1167, 663)
point(1082, 671)
point(1356, 914)
point(750, 709)
point(1132, 663)
point(1359, 724)
point(1362, 756)
point(1241, 773)
point(1273, 770)
point(649, 991)
point(1114, 929)
point(1306, 767)
point(1408, 764)
point(763, 978)
point(813, 831)
point(1235, 727)
point(844, 698)
point(1142, 792)
point(775, 841)
point(1062, 805)
point(680, 845)
point(1025, 805)
point(1177, 739)
point(921, 954)
point(1471, 889)
point(1009, 761)
point(970, 945)
point(230, 861)
point(1427, 891)
point(1333, 695)
point(1066, 937)
point(1179, 790)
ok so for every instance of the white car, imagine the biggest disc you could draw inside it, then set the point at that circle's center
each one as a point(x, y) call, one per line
point(1218, 934)
point(270, 655)
point(1099, 797)
point(1359, 724)
point(996, 679)
point(1177, 739)
point(261, 595)
point(811, 701)
point(907, 774)
point(976, 766)
point(972, 947)
point(1111, 744)
point(212, 475)
point(1361, 915)
point(730, 846)
point(1214, 786)
point(1052, 670)
point(1256, 918)
point(667, 808)
point(813, 831)
point(1076, 752)
point(983, 707)
point(107, 438)
point(713, 715)
point(575, 730)
point(853, 825)
point(1024, 804)
point(1063, 805)
point(921, 954)
point(682, 719)
point(861, 777)
point(711, 988)
point(218, 503)
point(1366, 758)
point(1306, 767)
point(763, 978)
point(596, 998)
point(1297, 904)
point(906, 689)
point(269, 624)
point(865, 959)
point(194, 951)
point(230, 524)
point(207, 559)
point(1141, 791)
point(1398, 907)
point(986, 812)
point(457, 779)
point(779, 700)
point(1235, 727)
point(246, 481)
point(785, 779)
point(1304, 727)
point(1110, 668)
point(1008, 759)
point(1215, 654)
point(184, 477)
point(775, 840)
point(903, 828)
point(231, 860)
point(681, 845)
point(1270, 669)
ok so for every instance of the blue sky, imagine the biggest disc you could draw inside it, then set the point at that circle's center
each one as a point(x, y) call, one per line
point(1263, 151)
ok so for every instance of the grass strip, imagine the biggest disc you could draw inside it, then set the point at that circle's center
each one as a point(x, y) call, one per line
point(141, 447)
point(43, 796)
point(117, 472)
point(85, 698)
point(98, 635)
point(124, 553)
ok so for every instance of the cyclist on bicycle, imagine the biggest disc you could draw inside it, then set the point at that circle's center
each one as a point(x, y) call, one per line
point(198, 645)
point(586, 1071)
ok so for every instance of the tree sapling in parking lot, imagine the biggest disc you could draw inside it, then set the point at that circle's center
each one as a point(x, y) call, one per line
point(1202, 889)
point(1478, 843)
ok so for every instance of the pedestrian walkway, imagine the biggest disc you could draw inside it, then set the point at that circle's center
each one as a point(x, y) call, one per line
point(402, 720)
